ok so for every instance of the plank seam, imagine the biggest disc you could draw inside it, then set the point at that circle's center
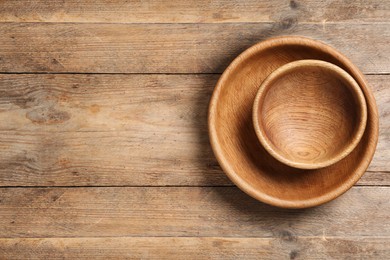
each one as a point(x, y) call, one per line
point(156, 186)
point(200, 23)
point(137, 73)
point(183, 236)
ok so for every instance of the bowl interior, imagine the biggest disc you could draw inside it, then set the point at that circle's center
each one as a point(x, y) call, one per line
point(243, 158)
point(310, 114)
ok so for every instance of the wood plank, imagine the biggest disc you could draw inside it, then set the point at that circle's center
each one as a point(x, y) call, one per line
point(171, 48)
point(203, 11)
point(197, 248)
point(66, 130)
point(184, 211)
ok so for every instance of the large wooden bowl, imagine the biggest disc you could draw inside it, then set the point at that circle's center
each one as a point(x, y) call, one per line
point(235, 143)
point(309, 114)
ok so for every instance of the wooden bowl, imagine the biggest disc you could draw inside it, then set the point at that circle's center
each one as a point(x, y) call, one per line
point(309, 114)
point(243, 158)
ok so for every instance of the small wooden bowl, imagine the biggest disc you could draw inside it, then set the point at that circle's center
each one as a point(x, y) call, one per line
point(309, 114)
point(244, 159)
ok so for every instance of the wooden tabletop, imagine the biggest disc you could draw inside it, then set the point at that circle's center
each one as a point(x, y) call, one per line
point(104, 149)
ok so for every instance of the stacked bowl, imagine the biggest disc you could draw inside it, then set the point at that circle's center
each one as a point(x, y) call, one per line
point(293, 123)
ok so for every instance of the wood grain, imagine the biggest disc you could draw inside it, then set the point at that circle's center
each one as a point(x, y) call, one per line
point(197, 248)
point(184, 211)
point(150, 130)
point(104, 130)
point(194, 11)
point(171, 48)
point(309, 114)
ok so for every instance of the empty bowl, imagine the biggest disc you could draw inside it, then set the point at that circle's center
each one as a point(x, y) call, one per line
point(309, 114)
point(241, 155)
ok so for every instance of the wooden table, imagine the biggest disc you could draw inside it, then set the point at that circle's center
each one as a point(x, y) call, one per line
point(104, 149)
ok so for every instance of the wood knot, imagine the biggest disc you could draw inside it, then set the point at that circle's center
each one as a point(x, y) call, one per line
point(94, 108)
point(288, 23)
point(293, 4)
point(293, 254)
point(287, 236)
point(47, 116)
point(26, 102)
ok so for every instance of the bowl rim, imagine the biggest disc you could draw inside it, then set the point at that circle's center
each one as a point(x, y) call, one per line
point(257, 194)
point(291, 67)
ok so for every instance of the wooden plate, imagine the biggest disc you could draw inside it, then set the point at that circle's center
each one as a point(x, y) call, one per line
point(238, 150)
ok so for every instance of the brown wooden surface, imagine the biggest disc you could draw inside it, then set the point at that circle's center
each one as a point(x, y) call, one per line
point(184, 211)
point(171, 48)
point(197, 247)
point(149, 129)
point(115, 109)
point(203, 11)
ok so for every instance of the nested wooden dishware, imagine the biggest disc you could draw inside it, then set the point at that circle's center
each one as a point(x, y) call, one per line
point(309, 114)
point(245, 160)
